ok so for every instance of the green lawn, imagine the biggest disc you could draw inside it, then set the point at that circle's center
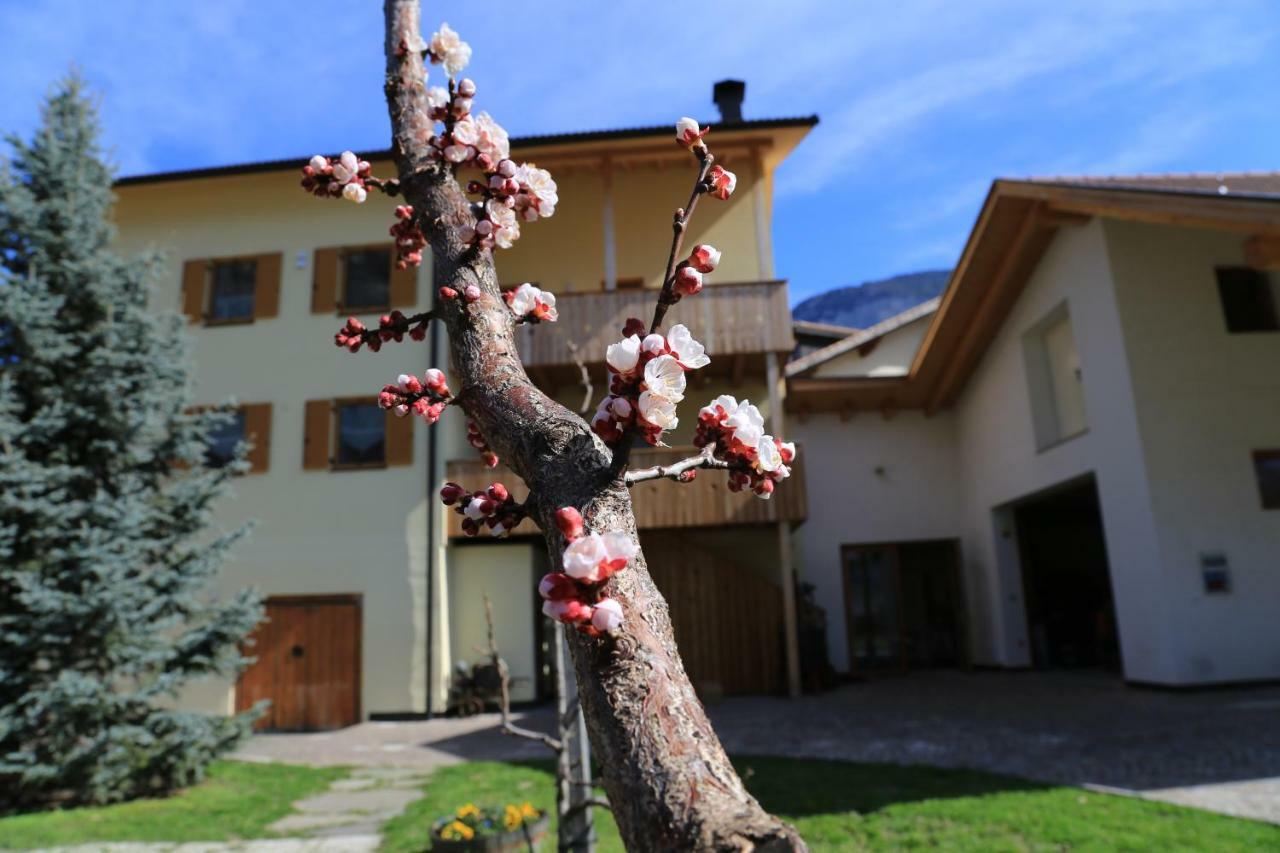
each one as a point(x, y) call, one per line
point(842, 806)
point(237, 800)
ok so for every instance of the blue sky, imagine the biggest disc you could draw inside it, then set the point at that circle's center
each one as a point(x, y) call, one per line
point(922, 102)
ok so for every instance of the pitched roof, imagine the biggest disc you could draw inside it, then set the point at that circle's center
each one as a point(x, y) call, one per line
point(828, 330)
point(861, 337)
point(517, 142)
point(1018, 221)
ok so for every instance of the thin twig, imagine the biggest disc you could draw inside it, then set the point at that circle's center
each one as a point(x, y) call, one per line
point(591, 802)
point(509, 727)
point(675, 469)
point(679, 224)
point(587, 389)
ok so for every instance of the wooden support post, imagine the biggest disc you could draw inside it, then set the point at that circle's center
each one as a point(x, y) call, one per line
point(786, 572)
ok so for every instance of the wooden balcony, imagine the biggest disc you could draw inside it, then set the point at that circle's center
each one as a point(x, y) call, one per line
point(731, 320)
point(662, 504)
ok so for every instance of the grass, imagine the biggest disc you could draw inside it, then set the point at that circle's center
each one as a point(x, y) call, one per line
point(843, 806)
point(236, 800)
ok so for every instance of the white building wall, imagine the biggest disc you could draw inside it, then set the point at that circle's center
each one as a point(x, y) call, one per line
point(999, 464)
point(871, 480)
point(318, 531)
point(891, 356)
point(1205, 400)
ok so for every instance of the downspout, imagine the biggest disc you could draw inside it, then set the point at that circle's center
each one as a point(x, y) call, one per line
point(433, 486)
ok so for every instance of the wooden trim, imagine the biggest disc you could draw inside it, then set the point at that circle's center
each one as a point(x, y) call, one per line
point(266, 285)
point(257, 430)
point(195, 287)
point(1262, 251)
point(397, 439)
point(317, 444)
point(324, 281)
point(402, 289)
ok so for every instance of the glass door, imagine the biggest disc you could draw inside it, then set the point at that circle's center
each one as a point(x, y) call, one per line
point(873, 608)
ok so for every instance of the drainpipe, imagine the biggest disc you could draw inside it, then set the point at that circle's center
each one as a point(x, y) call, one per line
point(433, 486)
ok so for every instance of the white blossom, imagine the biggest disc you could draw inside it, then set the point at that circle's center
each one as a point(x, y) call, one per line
point(450, 50)
point(688, 352)
point(664, 377)
point(658, 411)
point(624, 355)
point(607, 615)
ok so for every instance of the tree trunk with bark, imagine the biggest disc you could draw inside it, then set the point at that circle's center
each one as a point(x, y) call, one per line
point(670, 784)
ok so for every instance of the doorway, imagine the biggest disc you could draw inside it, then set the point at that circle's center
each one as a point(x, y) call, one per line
point(1066, 579)
point(904, 607)
point(307, 665)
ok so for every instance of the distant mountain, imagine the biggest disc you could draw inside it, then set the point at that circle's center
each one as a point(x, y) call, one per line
point(863, 305)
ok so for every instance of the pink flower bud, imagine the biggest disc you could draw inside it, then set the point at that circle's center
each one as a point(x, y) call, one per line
point(569, 520)
point(688, 281)
point(499, 492)
point(450, 493)
point(634, 326)
point(704, 258)
point(557, 586)
point(607, 616)
point(471, 292)
point(722, 182)
point(467, 87)
point(687, 132)
point(489, 458)
point(448, 293)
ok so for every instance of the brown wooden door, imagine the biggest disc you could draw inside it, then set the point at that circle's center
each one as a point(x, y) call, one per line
point(308, 664)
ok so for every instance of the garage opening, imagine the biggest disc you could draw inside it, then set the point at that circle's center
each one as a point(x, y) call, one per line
point(1066, 579)
point(307, 665)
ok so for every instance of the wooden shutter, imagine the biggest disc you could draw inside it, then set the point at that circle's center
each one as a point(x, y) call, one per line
point(195, 276)
point(324, 281)
point(257, 431)
point(266, 285)
point(399, 439)
point(404, 285)
point(315, 440)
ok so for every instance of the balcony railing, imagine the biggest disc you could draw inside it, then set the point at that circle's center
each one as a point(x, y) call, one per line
point(662, 504)
point(729, 319)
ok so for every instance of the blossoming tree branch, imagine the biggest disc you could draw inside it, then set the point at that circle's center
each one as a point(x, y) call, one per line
point(670, 784)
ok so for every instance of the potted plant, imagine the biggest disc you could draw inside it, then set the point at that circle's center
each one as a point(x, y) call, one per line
point(506, 829)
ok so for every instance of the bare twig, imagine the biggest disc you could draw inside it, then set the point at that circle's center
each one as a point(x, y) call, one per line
point(509, 727)
point(675, 470)
point(587, 389)
point(679, 224)
point(591, 802)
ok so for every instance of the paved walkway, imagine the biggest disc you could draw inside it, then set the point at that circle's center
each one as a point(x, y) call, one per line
point(1216, 749)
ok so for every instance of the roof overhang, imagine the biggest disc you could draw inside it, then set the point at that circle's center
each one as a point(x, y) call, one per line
point(1017, 223)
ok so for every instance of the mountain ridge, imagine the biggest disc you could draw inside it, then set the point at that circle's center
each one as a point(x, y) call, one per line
point(865, 304)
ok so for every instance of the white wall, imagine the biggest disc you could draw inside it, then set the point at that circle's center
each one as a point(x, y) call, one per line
point(891, 356)
point(318, 531)
point(999, 464)
point(506, 574)
point(916, 496)
point(1205, 400)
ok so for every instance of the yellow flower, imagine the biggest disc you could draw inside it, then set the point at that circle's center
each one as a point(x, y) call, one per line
point(469, 810)
point(457, 831)
point(528, 810)
point(512, 818)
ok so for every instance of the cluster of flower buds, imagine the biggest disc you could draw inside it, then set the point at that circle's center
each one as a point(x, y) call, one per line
point(409, 238)
point(476, 440)
point(687, 279)
point(344, 176)
point(689, 136)
point(391, 327)
point(572, 596)
point(448, 49)
point(426, 398)
point(492, 508)
point(647, 381)
point(757, 461)
point(532, 304)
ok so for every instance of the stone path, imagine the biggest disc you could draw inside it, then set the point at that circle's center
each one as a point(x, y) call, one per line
point(344, 819)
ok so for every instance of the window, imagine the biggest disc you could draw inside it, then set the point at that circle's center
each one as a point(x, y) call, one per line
point(368, 280)
point(224, 439)
point(362, 438)
point(1266, 467)
point(1249, 298)
point(1055, 382)
point(232, 292)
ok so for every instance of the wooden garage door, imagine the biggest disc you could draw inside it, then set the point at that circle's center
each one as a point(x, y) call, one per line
point(308, 664)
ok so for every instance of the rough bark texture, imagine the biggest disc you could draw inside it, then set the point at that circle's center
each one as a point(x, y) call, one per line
point(669, 781)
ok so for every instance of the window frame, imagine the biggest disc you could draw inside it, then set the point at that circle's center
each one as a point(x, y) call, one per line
point(1270, 286)
point(211, 287)
point(344, 305)
point(242, 415)
point(335, 441)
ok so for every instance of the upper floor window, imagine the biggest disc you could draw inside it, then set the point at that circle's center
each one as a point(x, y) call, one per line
point(1055, 381)
point(231, 293)
point(362, 438)
point(367, 285)
point(224, 440)
point(1249, 299)
point(1266, 467)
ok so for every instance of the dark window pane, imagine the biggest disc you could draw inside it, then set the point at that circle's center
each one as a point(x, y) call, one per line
point(361, 434)
point(368, 279)
point(1266, 467)
point(232, 297)
point(223, 441)
point(1248, 302)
